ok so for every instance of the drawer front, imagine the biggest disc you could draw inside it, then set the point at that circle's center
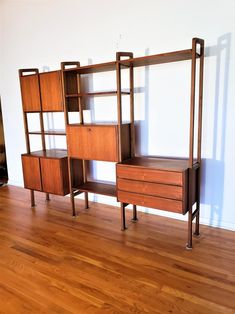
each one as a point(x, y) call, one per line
point(150, 175)
point(51, 91)
point(154, 189)
point(30, 93)
point(93, 142)
point(55, 176)
point(31, 172)
point(150, 201)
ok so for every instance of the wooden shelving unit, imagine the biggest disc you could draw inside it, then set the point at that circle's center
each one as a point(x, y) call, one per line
point(89, 141)
point(44, 170)
point(171, 184)
point(168, 184)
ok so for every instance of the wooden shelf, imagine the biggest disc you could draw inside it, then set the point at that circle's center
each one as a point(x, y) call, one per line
point(102, 123)
point(48, 132)
point(91, 94)
point(167, 164)
point(168, 57)
point(98, 188)
point(174, 56)
point(49, 153)
point(94, 68)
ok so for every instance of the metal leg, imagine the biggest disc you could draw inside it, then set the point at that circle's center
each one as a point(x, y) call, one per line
point(197, 233)
point(47, 197)
point(134, 218)
point(86, 200)
point(32, 198)
point(189, 245)
point(73, 204)
point(123, 217)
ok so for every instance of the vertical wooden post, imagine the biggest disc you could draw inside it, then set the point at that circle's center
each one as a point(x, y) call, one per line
point(84, 166)
point(119, 104)
point(70, 165)
point(32, 197)
point(191, 140)
point(200, 103)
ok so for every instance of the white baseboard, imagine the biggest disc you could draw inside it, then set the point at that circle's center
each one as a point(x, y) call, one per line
point(111, 201)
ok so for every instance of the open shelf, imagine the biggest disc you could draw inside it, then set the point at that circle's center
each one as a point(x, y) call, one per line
point(98, 188)
point(168, 57)
point(103, 93)
point(48, 132)
point(94, 68)
point(167, 164)
point(49, 153)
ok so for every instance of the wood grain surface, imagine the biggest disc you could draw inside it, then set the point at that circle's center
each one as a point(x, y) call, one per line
point(51, 263)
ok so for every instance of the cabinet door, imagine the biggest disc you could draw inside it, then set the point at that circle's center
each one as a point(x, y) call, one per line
point(51, 91)
point(55, 176)
point(94, 142)
point(31, 172)
point(30, 93)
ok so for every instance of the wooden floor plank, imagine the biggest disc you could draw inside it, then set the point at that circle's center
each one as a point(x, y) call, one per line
point(52, 263)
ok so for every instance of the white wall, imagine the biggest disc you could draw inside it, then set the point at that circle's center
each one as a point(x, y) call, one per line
point(40, 33)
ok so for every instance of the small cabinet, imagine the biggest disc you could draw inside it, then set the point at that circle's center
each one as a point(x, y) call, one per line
point(51, 91)
point(30, 92)
point(46, 174)
point(98, 142)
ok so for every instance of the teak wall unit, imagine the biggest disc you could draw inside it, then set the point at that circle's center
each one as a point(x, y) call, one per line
point(45, 170)
point(171, 184)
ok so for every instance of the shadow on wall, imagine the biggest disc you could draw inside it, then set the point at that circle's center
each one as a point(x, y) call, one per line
point(212, 189)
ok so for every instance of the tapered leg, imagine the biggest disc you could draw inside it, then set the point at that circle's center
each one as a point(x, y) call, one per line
point(86, 200)
point(134, 218)
point(123, 217)
point(32, 198)
point(47, 197)
point(189, 244)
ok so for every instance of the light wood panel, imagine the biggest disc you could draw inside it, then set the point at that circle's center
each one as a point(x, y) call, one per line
point(51, 91)
point(51, 263)
point(30, 93)
point(31, 172)
point(55, 178)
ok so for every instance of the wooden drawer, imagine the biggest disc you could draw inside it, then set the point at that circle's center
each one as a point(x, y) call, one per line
point(148, 188)
point(51, 91)
point(31, 172)
point(30, 93)
point(97, 142)
point(55, 179)
point(150, 175)
point(151, 201)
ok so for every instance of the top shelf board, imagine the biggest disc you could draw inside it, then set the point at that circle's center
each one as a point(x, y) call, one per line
point(174, 56)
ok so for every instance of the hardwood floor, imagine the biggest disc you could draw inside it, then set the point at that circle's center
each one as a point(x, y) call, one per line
point(52, 263)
